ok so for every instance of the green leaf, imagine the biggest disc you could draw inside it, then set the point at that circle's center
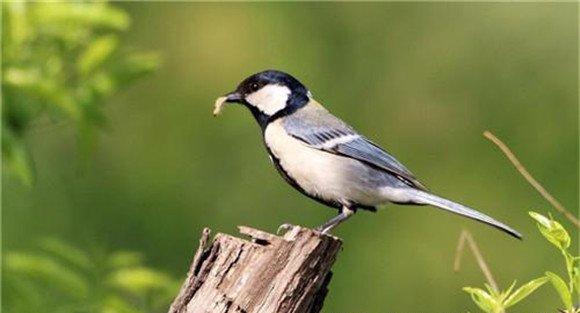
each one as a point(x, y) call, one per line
point(69, 253)
point(561, 288)
point(21, 77)
point(31, 83)
point(20, 294)
point(123, 259)
point(60, 98)
point(576, 274)
point(81, 14)
point(101, 84)
point(492, 292)
point(524, 291)
point(140, 280)
point(506, 293)
point(552, 230)
point(483, 299)
point(19, 30)
point(17, 159)
point(96, 53)
point(51, 272)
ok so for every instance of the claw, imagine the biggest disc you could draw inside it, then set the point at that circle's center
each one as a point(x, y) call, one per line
point(322, 231)
point(284, 228)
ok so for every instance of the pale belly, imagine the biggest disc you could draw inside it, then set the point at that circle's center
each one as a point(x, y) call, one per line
point(325, 175)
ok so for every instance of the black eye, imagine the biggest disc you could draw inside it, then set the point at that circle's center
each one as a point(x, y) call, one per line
point(254, 87)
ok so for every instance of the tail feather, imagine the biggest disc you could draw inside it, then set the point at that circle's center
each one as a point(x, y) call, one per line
point(422, 197)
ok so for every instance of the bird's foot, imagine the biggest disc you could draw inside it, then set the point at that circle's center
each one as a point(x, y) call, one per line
point(322, 230)
point(284, 228)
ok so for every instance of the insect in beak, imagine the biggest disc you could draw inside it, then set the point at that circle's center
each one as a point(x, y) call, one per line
point(232, 97)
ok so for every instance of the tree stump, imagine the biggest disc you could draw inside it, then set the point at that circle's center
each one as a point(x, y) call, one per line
point(267, 273)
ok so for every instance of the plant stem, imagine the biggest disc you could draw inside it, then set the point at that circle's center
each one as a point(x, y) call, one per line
point(518, 165)
point(466, 236)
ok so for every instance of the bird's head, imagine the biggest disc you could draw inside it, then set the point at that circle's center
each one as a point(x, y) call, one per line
point(267, 94)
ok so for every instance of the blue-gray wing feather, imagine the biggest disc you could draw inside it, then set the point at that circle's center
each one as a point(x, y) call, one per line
point(321, 130)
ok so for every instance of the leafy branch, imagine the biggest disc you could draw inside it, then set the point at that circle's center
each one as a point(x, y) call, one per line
point(494, 301)
point(58, 277)
point(465, 236)
point(61, 60)
point(559, 237)
point(553, 231)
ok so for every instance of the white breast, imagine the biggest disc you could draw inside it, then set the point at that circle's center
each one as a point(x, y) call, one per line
point(319, 173)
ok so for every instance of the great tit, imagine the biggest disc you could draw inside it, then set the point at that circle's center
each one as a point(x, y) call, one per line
point(326, 159)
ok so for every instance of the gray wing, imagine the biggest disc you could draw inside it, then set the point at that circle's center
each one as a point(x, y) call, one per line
point(321, 130)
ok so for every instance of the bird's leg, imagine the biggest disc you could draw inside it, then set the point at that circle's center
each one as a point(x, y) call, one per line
point(345, 213)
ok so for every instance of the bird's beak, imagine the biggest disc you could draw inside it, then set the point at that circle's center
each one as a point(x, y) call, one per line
point(235, 97)
point(232, 97)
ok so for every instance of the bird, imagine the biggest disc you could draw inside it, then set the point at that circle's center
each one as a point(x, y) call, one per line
point(326, 159)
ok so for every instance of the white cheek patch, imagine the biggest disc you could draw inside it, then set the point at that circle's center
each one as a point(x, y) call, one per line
point(270, 99)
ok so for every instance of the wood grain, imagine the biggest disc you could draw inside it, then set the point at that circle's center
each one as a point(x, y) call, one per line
point(266, 273)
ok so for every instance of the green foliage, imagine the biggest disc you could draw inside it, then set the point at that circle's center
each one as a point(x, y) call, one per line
point(62, 278)
point(552, 230)
point(47, 269)
point(493, 301)
point(560, 286)
point(61, 60)
point(555, 233)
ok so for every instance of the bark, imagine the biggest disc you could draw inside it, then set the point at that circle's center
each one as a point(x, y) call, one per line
point(267, 273)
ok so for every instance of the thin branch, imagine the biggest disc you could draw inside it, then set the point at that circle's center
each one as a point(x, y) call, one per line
point(464, 237)
point(510, 155)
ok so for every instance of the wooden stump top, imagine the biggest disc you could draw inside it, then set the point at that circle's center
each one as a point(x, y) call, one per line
point(266, 273)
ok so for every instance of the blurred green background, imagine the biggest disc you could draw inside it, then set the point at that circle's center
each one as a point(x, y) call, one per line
point(424, 80)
